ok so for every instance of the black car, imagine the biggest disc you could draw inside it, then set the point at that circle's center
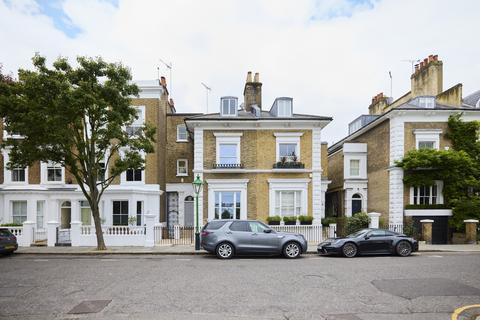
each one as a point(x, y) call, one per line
point(370, 241)
point(8, 242)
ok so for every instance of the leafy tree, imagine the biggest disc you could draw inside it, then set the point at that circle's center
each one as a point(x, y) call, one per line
point(75, 116)
point(458, 168)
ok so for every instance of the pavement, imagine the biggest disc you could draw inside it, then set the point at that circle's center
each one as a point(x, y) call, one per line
point(190, 249)
point(424, 286)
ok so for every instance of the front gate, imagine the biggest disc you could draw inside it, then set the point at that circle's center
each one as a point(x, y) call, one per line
point(63, 237)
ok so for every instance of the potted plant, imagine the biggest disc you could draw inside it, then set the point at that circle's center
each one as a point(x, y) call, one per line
point(274, 220)
point(305, 220)
point(132, 221)
point(290, 220)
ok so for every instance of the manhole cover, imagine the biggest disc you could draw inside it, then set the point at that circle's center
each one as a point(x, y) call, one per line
point(414, 288)
point(91, 306)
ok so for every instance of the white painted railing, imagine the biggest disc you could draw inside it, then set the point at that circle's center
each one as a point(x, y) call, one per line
point(312, 233)
point(39, 235)
point(396, 227)
point(113, 230)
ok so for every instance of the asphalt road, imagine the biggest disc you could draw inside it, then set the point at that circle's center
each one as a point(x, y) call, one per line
point(424, 286)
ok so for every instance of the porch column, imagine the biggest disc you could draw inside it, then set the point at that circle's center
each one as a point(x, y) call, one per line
point(427, 230)
point(75, 213)
point(27, 233)
point(471, 231)
point(149, 230)
point(374, 220)
point(52, 232)
point(318, 194)
point(198, 169)
point(75, 232)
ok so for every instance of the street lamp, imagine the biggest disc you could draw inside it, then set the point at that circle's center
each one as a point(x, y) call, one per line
point(197, 186)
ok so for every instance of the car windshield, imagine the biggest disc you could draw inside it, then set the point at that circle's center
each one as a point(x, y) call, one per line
point(358, 233)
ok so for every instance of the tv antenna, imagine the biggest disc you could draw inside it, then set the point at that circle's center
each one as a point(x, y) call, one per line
point(207, 89)
point(412, 62)
point(169, 67)
point(391, 83)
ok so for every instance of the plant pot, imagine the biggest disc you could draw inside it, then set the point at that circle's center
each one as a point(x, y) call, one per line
point(306, 223)
point(274, 223)
point(290, 223)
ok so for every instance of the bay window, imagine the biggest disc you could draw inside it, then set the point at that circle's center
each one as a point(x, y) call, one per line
point(120, 213)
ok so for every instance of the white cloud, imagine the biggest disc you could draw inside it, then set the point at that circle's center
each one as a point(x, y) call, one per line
point(331, 65)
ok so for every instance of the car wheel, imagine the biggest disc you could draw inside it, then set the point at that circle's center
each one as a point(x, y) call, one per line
point(292, 250)
point(404, 248)
point(349, 250)
point(224, 250)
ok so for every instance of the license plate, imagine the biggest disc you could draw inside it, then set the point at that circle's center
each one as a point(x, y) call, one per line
point(10, 247)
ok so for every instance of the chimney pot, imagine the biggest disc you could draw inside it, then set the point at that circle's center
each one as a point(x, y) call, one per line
point(425, 61)
point(435, 57)
point(163, 82)
point(430, 58)
point(416, 67)
point(257, 77)
point(249, 76)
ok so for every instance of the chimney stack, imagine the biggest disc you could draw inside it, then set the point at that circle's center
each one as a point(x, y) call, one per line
point(427, 80)
point(378, 105)
point(252, 93)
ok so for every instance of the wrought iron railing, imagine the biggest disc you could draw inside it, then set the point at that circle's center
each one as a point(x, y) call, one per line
point(289, 165)
point(228, 166)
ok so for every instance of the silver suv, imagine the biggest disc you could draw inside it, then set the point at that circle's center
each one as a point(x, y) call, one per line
point(227, 238)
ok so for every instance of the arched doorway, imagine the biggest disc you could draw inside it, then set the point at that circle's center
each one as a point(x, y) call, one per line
point(65, 214)
point(356, 203)
point(189, 212)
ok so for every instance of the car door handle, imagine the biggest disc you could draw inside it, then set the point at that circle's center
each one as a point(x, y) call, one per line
point(228, 232)
point(254, 234)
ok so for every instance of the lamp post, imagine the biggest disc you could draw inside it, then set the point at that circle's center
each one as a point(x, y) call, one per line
point(197, 186)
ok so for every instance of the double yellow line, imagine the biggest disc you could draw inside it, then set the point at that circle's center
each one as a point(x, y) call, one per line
point(457, 311)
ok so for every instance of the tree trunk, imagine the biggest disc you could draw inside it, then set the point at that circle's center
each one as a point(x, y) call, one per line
point(98, 225)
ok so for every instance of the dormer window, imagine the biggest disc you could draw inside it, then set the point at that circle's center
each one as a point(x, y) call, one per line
point(426, 102)
point(284, 107)
point(229, 106)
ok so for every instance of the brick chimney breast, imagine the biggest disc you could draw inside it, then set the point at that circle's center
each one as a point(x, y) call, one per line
point(427, 80)
point(252, 93)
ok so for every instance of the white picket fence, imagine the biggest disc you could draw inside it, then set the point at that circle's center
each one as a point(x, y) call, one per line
point(312, 233)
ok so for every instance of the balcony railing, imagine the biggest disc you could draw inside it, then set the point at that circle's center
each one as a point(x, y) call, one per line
point(289, 165)
point(228, 166)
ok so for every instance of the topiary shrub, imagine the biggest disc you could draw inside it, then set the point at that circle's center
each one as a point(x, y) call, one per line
point(327, 221)
point(274, 220)
point(357, 222)
point(290, 220)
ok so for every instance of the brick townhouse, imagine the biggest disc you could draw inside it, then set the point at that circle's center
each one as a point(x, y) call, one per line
point(361, 165)
point(47, 192)
point(258, 162)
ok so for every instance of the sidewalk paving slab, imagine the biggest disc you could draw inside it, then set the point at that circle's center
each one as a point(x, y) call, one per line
point(190, 250)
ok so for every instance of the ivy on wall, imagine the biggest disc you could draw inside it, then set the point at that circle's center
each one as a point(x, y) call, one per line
point(458, 168)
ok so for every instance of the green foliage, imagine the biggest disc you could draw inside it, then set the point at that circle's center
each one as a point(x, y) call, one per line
point(274, 219)
point(426, 206)
point(11, 225)
point(342, 226)
point(409, 229)
point(75, 116)
point(328, 220)
point(357, 222)
point(132, 221)
point(289, 219)
point(458, 168)
point(383, 222)
point(305, 219)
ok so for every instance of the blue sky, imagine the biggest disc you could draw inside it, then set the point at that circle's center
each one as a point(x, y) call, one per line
point(61, 21)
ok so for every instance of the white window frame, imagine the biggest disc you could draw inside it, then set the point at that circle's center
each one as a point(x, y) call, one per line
point(180, 174)
point(228, 138)
point(358, 168)
point(284, 105)
point(178, 133)
point(235, 192)
point(123, 175)
point(128, 208)
point(44, 174)
point(297, 195)
point(80, 206)
point(26, 210)
point(428, 102)
point(427, 135)
point(439, 200)
point(233, 185)
point(288, 185)
point(288, 137)
point(8, 174)
point(40, 213)
point(230, 99)
point(140, 122)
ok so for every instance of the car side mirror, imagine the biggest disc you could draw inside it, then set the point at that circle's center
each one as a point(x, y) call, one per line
point(367, 237)
point(267, 230)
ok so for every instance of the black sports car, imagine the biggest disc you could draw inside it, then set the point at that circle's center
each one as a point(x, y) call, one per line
point(370, 241)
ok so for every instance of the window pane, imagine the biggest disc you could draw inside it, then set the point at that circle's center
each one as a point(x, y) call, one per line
point(228, 153)
point(426, 145)
point(182, 132)
point(239, 226)
point(40, 205)
point(287, 150)
point(138, 174)
point(19, 211)
point(354, 167)
point(139, 212)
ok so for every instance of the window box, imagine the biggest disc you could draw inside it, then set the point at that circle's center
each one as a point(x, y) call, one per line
point(290, 220)
point(305, 220)
point(228, 166)
point(289, 165)
point(425, 206)
point(274, 220)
